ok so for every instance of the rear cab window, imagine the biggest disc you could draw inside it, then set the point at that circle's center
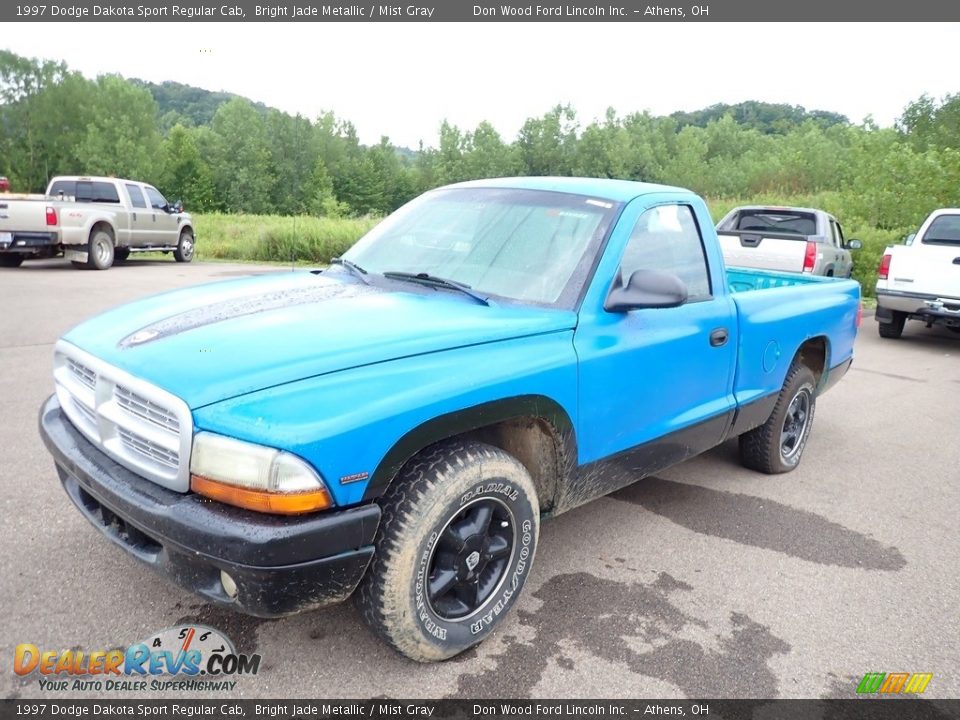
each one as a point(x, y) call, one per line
point(86, 191)
point(773, 220)
point(944, 230)
point(67, 188)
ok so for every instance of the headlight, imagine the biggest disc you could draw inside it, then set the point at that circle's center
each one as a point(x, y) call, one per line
point(254, 477)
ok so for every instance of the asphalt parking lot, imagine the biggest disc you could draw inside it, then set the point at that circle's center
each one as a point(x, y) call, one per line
point(706, 581)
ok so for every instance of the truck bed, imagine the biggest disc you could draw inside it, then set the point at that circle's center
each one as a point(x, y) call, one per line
point(745, 279)
point(779, 311)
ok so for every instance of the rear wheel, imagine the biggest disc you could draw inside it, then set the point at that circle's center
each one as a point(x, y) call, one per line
point(777, 445)
point(184, 251)
point(100, 251)
point(455, 545)
point(10, 261)
point(894, 328)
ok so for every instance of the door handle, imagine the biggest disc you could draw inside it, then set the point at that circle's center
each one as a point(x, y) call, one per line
point(719, 337)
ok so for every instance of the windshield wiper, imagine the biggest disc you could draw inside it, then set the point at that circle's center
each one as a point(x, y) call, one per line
point(352, 268)
point(432, 280)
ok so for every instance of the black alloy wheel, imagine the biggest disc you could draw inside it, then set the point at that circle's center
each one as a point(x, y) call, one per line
point(471, 558)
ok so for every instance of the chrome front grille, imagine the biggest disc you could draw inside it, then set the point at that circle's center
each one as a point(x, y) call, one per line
point(142, 427)
point(147, 409)
point(147, 448)
point(82, 373)
point(89, 415)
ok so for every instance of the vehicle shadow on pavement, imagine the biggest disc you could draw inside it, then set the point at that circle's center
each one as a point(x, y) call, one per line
point(761, 522)
point(583, 618)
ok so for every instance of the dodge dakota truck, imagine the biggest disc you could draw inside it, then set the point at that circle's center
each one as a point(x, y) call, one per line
point(920, 280)
point(786, 239)
point(492, 353)
point(93, 221)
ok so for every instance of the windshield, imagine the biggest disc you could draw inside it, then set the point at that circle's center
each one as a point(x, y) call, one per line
point(526, 245)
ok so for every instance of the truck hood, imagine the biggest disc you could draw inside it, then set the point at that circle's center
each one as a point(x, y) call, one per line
point(217, 341)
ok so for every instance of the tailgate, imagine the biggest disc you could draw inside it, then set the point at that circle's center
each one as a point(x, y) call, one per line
point(925, 270)
point(780, 252)
point(23, 214)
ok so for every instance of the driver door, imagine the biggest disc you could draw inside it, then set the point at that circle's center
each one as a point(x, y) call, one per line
point(166, 225)
point(656, 384)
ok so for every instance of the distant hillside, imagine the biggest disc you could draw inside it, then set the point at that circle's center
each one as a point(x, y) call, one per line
point(768, 118)
point(187, 104)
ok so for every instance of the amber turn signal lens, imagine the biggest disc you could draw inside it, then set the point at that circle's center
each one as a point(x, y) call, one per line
point(265, 502)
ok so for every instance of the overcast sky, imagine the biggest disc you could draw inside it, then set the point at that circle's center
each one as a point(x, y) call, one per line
point(403, 79)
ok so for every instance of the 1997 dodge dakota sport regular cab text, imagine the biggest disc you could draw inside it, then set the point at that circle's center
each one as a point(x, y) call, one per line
point(492, 353)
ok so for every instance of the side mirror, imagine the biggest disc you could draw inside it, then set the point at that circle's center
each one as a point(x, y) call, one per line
point(178, 206)
point(854, 244)
point(908, 240)
point(646, 289)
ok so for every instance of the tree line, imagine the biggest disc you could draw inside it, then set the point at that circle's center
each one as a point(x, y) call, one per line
point(220, 152)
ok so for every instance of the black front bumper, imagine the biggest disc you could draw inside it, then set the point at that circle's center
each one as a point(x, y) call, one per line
point(281, 565)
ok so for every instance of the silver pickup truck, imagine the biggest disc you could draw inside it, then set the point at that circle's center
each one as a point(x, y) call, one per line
point(92, 221)
point(786, 239)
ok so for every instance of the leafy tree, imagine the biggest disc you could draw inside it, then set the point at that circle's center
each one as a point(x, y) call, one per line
point(926, 123)
point(187, 173)
point(547, 144)
point(121, 137)
point(486, 155)
point(42, 113)
point(241, 166)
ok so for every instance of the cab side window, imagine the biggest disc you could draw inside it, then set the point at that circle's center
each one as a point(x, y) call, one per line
point(667, 238)
point(157, 201)
point(136, 197)
point(838, 231)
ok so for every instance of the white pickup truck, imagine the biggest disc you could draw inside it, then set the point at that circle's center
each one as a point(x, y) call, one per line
point(786, 239)
point(92, 221)
point(920, 280)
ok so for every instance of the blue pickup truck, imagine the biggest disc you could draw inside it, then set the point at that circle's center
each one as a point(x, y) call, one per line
point(396, 426)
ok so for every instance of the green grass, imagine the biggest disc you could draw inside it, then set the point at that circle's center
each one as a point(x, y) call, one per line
point(272, 238)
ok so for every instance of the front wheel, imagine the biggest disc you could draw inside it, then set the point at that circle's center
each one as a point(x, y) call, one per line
point(777, 445)
point(10, 261)
point(455, 545)
point(185, 246)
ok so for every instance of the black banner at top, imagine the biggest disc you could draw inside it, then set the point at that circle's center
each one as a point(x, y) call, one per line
point(287, 11)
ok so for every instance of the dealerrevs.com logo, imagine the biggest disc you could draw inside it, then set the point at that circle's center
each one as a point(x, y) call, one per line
point(186, 657)
point(894, 683)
